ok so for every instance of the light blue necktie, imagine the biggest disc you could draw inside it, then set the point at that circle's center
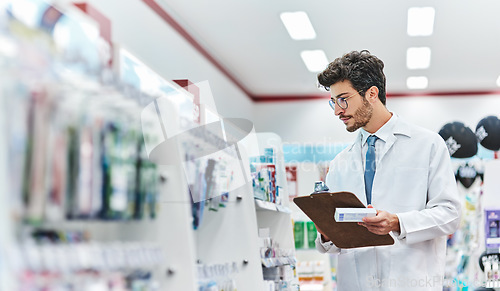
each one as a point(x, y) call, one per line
point(370, 167)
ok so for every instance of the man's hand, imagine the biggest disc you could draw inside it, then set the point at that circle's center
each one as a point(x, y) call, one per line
point(324, 238)
point(383, 223)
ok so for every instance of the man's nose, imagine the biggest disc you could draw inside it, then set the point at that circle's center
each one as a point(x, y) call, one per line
point(338, 110)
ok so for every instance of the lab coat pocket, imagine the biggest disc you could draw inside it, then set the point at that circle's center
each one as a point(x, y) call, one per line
point(409, 188)
point(411, 268)
point(347, 274)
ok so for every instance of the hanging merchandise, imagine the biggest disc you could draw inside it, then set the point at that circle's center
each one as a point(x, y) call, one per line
point(198, 192)
point(75, 152)
point(466, 175)
point(488, 132)
point(489, 264)
point(460, 140)
point(17, 135)
point(119, 158)
point(225, 180)
point(35, 164)
point(57, 170)
point(147, 185)
point(464, 246)
point(209, 179)
point(76, 168)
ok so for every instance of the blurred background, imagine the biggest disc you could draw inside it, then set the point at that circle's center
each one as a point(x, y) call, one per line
point(158, 144)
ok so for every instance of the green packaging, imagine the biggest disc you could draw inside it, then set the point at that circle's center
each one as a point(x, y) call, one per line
point(311, 234)
point(298, 234)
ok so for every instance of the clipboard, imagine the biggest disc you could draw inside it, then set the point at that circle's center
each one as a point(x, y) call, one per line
point(320, 208)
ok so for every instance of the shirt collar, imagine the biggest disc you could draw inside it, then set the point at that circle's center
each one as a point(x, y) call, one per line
point(382, 133)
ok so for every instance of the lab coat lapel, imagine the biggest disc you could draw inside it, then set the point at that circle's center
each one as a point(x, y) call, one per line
point(399, 128)
point(356, 171)
point(388, 145)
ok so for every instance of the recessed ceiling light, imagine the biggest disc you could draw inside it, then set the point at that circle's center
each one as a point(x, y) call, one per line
point(420, 21)
point(298, 25)
point(418, 58)
point(315, 60)
point(420, 82)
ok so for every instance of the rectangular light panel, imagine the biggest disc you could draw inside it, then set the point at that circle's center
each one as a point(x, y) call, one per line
point(420, 21)
point(315, 60)
point(418, 58)
point(298, 25)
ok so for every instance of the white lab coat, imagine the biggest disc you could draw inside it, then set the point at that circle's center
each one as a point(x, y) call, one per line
point(414, 179)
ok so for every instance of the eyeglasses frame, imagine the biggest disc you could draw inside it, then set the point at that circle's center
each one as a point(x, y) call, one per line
point(333, 101)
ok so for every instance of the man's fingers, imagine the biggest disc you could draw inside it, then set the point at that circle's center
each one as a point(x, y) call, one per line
point(374, 219)
point(376, 230)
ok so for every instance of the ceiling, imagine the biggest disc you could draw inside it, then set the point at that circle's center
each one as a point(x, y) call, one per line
point(249, 43)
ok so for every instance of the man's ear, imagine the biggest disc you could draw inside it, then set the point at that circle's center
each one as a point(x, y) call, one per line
point(372, 94)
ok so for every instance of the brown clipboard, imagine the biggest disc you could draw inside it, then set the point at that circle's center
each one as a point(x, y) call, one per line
point(320, 208)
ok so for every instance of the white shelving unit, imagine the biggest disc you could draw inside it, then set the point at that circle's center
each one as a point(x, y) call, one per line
point(307, 174)
point(231, 233)
point(227, 236)
point(6, 223)
point(276, 217)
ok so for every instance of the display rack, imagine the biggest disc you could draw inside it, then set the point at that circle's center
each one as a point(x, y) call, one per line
point(307, 174)
point(274, 218)
point(225, 243)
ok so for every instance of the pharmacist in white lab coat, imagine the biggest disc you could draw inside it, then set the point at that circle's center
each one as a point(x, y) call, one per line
point(413, 188)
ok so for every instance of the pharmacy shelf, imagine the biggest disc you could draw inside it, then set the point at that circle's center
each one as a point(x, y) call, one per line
point(269, 206)
point(229, 236)
point(280, 261)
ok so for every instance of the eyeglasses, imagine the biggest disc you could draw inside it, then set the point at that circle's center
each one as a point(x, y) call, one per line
point(341, 101)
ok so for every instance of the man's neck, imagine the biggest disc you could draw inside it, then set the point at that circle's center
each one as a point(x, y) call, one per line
point(380, 117)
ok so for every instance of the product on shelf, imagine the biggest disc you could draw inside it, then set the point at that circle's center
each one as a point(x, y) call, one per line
point(215, 277)
point(492, 236)
point(75, 150)
point(65, 260)
point(311, 271)
point(304, 233)
point(311, 234)
point(298, 234)
point(489, 263)
point(264, 179)
point(209, 180)
point(464, 246)
point(291, 178)
point(278, 263)
point(98, 171)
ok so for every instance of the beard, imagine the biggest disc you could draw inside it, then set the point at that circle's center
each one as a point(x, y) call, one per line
point(361, 117)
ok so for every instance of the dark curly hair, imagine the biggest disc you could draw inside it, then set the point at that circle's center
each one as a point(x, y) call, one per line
point(362, 69)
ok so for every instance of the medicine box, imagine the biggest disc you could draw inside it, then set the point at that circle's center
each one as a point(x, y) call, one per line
point(353, 214)
point(492, 231)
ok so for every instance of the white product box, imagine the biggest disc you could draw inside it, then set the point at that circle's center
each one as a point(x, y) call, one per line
point(353, 214)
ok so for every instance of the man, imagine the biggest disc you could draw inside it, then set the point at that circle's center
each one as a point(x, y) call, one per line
point(408, 179)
